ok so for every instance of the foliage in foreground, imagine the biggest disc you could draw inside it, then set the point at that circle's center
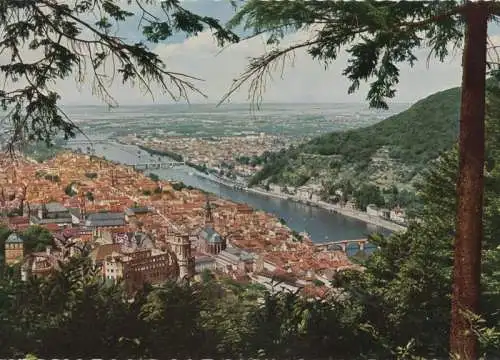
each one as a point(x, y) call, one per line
point(75, 314)
point(402, 299)
point(399, 307)
point(406, 288)
point(36, 238)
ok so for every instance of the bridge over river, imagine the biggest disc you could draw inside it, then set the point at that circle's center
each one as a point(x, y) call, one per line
point(320, 223)
point(138, 166)
point(88, 142)
point(347, 246)
point(157, 165)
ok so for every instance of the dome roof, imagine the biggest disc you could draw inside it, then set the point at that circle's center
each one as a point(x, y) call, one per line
point(14, 239)
point(210, 235)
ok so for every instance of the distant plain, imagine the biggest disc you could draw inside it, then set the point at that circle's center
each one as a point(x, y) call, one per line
point(290, 120)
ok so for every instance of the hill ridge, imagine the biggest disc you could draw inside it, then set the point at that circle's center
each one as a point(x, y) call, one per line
point(397, 148)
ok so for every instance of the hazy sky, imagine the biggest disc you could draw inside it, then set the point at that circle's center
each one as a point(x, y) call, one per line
point(306, 81)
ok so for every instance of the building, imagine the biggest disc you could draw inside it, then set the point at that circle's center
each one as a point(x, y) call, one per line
point(76, 215)
point(51, 213)
point(141, 267)
point(372, 210)
point(70, 242)
point(262, 265)
point(104, 237)
point(40, 264)
point(135, 212)
point(67, 243)
point(113, 265)
point(204, 263)
point(180, 245)
point(104, 220)
point(14, 249)
point(209, 240)
point(398, 215)
point(100, 253)
point(234, 259)
point(18, 223)
point(273, 285)
point(308, 193)
point(133, 240)
point(384, 213)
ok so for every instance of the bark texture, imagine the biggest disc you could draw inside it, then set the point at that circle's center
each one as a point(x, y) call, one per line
point(469, 225)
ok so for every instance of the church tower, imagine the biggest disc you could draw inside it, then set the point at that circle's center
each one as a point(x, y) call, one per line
point(83, 208)
point(181, 246)
point(209, 218)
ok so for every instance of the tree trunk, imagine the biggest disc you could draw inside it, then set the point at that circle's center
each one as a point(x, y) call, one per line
point(469, 226)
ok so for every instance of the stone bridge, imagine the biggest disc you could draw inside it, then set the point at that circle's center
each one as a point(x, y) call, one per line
point(344, 245)
point(87, 142)
point(157, 165)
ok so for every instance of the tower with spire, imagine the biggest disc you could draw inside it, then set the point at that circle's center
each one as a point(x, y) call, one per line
point(83, 207)
point(209, 240)
point(209, 218)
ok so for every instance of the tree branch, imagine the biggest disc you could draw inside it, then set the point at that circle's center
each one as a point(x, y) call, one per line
point(258, 68)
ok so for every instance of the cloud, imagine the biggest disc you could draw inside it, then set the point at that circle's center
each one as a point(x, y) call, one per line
point(305, 80)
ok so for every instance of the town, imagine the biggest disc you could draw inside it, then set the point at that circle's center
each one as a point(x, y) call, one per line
point(140, 230)
point(222, 154)
point(234, 160)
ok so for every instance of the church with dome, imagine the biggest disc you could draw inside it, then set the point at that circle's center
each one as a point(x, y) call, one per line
point(209, 240)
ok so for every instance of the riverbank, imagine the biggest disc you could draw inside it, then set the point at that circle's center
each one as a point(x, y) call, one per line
point(169, 154)
point(351, 213)
point(363, 216)
point(322, 225)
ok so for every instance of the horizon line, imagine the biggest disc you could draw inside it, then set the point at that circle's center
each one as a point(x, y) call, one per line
point(238, 103)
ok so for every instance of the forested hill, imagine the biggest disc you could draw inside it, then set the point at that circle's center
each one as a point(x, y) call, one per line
point(392, 151)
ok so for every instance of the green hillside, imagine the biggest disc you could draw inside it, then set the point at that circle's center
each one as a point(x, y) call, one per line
point(391, 152)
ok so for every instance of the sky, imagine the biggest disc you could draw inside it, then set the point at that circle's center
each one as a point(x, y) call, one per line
point(304, 81)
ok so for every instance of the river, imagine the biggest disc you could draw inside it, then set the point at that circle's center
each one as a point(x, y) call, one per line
point(322, 225)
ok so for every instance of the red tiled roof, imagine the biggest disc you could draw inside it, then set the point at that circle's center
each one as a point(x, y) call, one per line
point(19, 220)
point(70, 232)
point(104, 250)
point(51, 227)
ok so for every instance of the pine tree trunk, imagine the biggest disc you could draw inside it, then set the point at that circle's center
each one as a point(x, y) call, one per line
point(469, 226)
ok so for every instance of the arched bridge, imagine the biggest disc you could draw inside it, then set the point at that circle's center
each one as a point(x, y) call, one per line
point(157, 165)
point(87, 142)
point(345, 245)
